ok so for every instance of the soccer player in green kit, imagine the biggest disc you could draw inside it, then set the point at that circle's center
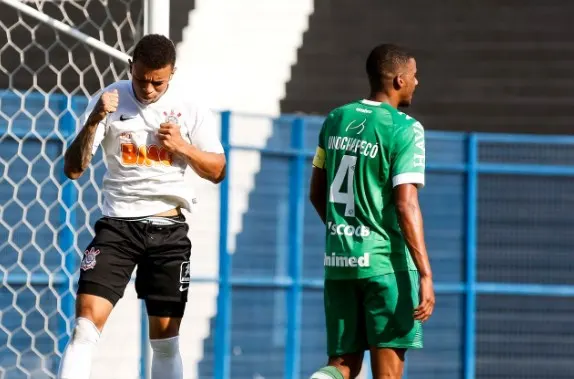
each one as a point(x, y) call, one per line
point(368, 168)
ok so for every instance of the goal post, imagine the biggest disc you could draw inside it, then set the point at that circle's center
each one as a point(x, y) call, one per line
point(157, 14)
point(64, 28)
point(54, 55)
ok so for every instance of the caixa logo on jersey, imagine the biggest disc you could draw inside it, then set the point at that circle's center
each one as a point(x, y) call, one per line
point(348, 230)
point(145, 155)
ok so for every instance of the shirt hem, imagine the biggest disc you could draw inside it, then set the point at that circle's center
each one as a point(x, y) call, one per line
point(367, 275)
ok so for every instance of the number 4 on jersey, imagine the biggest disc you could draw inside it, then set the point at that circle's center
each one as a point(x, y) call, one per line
point(346, 169)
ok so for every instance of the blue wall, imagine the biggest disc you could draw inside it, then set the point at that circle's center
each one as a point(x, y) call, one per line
point(498, 219)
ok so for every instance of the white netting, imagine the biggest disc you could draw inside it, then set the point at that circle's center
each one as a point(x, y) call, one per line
point(46, 78)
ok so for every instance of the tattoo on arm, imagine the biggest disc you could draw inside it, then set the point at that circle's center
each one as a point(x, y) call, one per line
point(79, 154)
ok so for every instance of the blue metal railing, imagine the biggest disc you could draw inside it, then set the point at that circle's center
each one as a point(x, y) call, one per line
point(68, 215)
point(294, 284)
point(296, 223)
point(222, 336)
point(471, 220)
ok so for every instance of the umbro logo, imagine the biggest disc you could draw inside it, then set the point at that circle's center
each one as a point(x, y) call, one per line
point(125, 117)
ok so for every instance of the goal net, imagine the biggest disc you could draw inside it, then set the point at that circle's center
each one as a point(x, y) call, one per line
point(46, 79)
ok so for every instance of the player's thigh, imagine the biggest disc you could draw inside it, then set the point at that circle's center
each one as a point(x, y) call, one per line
point(164, 272)
point(107, 265)
point(389, 302)
point(343, 318)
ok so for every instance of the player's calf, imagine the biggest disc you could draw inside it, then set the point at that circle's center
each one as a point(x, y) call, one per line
point(166, 361)
point(77, 360)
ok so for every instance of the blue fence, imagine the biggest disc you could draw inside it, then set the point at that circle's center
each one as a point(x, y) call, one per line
point(462, 172)
point(489, 206)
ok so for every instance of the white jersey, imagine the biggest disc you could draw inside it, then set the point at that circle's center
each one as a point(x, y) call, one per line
point(142, 177)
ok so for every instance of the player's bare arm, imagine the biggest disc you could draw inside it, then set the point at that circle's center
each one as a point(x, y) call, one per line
point(411, 223)
point(79, 154)
point(209, 166)
point(318, 192)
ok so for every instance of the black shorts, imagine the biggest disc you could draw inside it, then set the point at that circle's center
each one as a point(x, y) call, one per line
point(161, 253)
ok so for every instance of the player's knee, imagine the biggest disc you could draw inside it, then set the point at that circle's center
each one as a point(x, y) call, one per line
point(85, 332)
point(165, 347)
point(164, 318)
point(95, 308)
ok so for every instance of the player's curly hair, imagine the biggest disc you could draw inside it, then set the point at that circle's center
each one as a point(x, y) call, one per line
point(384, 62)
point(155, 51)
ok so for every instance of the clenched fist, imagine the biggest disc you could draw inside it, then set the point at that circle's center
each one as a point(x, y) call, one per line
point(169, 136)
point(108, 103)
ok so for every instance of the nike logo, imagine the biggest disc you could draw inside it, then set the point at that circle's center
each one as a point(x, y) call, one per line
point(125, 118)
point(183, 288)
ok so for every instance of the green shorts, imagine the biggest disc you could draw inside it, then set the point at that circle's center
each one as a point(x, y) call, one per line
point(372, 312)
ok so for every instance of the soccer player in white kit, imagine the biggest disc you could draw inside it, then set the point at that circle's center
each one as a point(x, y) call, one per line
point(149, 134)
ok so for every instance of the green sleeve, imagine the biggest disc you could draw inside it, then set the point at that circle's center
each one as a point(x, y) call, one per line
point(408, 158)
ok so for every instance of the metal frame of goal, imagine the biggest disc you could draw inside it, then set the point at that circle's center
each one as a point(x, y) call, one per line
point(54, 56)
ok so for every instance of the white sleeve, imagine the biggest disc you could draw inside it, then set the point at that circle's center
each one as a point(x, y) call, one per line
point(203, 135)
point(101, 129)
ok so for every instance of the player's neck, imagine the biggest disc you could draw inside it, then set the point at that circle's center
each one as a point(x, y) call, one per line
point(382, 97)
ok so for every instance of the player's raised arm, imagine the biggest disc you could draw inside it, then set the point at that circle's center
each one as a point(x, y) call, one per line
point(80, 152)
point(408, 175)
point(205, 153)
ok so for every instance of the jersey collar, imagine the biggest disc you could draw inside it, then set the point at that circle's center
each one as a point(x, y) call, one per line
point(371, 102)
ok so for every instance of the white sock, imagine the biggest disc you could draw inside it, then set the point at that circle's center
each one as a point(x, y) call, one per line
point(77, 360)
point(166, 361)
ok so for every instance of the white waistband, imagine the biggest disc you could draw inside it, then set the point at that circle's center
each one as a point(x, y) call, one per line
point(158, 220)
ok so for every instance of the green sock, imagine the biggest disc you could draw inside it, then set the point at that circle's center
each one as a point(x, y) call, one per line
point(328, 372)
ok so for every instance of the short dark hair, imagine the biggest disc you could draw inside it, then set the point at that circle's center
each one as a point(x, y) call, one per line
point(384, 62)
point(155, 51)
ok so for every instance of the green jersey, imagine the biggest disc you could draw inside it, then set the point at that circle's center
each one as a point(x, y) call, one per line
point(366, 149)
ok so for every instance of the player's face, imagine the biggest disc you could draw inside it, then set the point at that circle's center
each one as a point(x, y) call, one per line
point(150, 84)
point(409, 83)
